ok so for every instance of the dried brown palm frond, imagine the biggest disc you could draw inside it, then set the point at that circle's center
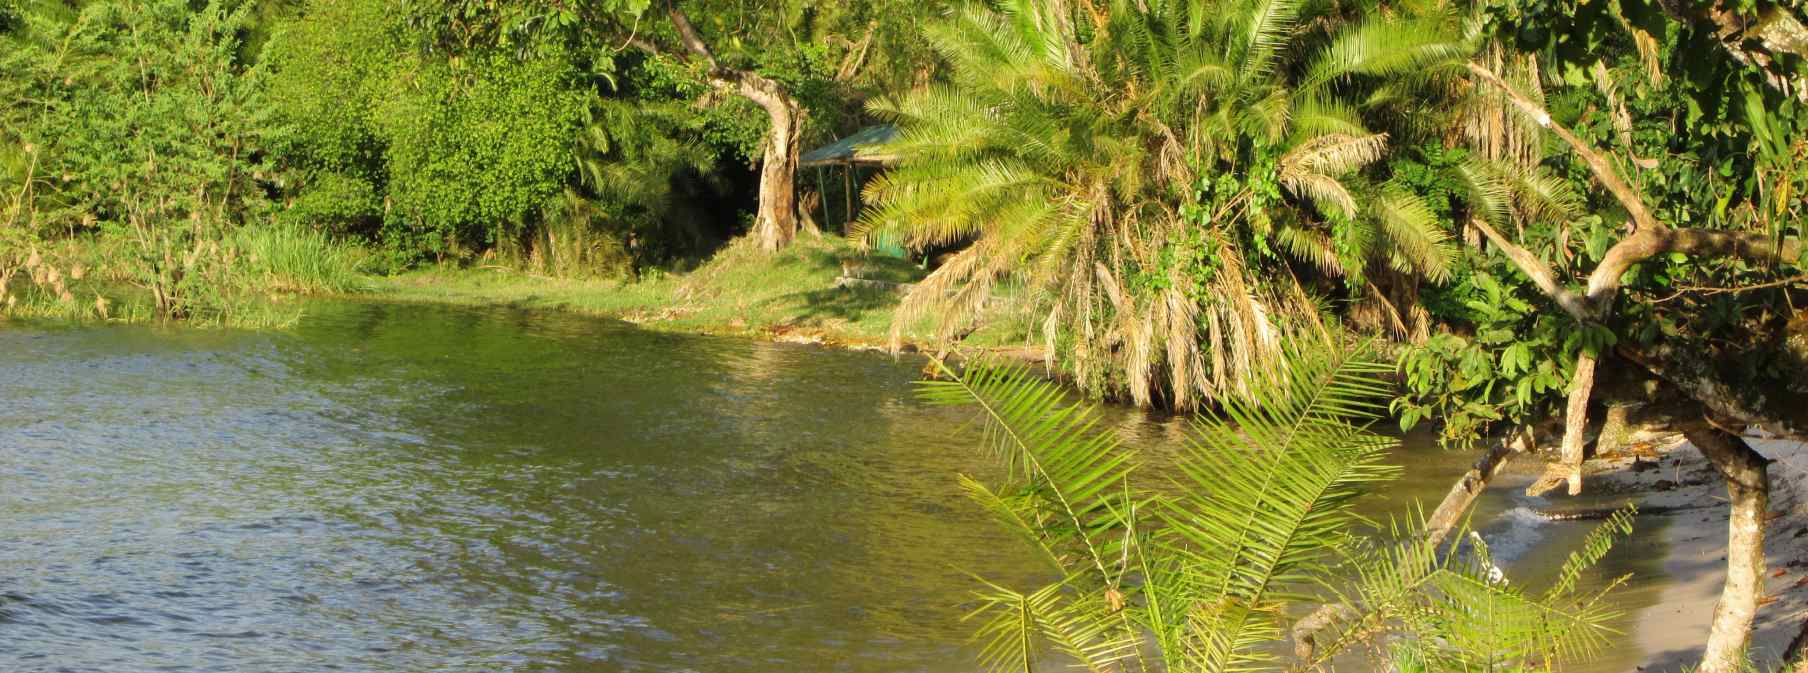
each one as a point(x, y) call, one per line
point(1488, 122)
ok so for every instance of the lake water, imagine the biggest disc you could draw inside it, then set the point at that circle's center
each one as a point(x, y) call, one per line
point(395, 487)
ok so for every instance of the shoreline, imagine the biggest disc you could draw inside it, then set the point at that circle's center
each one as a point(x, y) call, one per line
point(818, 292)
point(1685, 490)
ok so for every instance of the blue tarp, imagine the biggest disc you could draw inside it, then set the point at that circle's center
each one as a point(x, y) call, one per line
point(861, 147)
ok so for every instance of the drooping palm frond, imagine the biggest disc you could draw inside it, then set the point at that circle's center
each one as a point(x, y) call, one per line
point(1504, 193)
point(1316, 117)
point(939, 204)
point(1324, 191)
point(1388, 46)
point(1068, 473)
point(1545, 197)
point(1312, 246)
point(1487, 195)
point(1333, 154)
point(1270, 26)
point(1416, 233)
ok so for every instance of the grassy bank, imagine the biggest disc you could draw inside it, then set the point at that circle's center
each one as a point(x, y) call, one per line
point(259, 275)
point(248, 277)
point(793, 295)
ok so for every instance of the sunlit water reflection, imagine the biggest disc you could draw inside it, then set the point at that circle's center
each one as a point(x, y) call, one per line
point(412, 488)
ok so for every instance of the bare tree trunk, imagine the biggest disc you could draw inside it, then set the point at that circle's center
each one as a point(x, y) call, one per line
point(856, 55)
point(1748, 490)
point(776, 224)
point(1468, 487)
point(1575, 420)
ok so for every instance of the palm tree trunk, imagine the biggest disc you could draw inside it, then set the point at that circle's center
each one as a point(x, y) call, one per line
point(1748, 490)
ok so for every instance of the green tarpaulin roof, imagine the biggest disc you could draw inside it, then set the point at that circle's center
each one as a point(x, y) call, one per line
point(860, 148)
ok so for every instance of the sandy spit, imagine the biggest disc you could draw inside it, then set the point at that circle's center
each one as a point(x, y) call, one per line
point(1679, 481)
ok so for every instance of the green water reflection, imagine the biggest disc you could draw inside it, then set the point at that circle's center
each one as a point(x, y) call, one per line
point(407, 488)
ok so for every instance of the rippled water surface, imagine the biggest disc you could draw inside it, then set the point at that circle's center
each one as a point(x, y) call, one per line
point(414, 488)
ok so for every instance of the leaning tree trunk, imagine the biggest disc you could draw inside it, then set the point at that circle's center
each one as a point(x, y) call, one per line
point(776, 223)
point(1748, 490)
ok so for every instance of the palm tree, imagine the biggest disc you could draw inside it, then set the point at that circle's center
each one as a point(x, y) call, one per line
point(1142, 170)
point(1201, 573)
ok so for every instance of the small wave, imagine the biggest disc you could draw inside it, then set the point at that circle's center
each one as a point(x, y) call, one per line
point(1513, 533)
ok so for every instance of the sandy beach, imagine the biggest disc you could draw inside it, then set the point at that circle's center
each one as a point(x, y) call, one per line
point(1678, 484)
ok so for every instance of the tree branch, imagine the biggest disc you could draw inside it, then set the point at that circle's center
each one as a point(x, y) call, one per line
point(688, 36)
point(856, 56)
point(1604, 285)
point(1540, 273)
point(1693, 373)
point(648, 47)
point(1602, 169)
point(1754, 43)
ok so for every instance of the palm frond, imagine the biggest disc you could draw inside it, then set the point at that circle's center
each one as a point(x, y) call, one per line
point(1020, 629)
point(1594, 547)
point(1313, 247)
point(1326, 192)
point(1416, 233)
point(1488, 196)
point(1267, 486)
point(1386, 46)
point(1319, 117)
point(1055, 451)
point(1500, 188)
point(1270, 26)
point(1460, 610)
point(1260, 511)
point(1333, 154)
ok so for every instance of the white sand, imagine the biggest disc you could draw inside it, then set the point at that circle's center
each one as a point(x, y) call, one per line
point(1672, 632)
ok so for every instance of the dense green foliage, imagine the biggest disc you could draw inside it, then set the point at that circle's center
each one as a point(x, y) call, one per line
point(1173, 188)
point(472, 155)
point(170, 126)
point(1161, 192)
point(137, 121)
point(1705, 140)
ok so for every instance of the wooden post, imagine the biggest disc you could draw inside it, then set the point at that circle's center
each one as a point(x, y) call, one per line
point(822, 190)
point(858, 204)
point(847, 182)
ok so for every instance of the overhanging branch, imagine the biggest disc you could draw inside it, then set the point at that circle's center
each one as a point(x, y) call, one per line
point(1603, 170)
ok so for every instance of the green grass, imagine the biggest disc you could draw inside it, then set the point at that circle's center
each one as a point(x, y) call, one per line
point(296, 260)
point(790, 295)
point(100, 278)
point(742, 290)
